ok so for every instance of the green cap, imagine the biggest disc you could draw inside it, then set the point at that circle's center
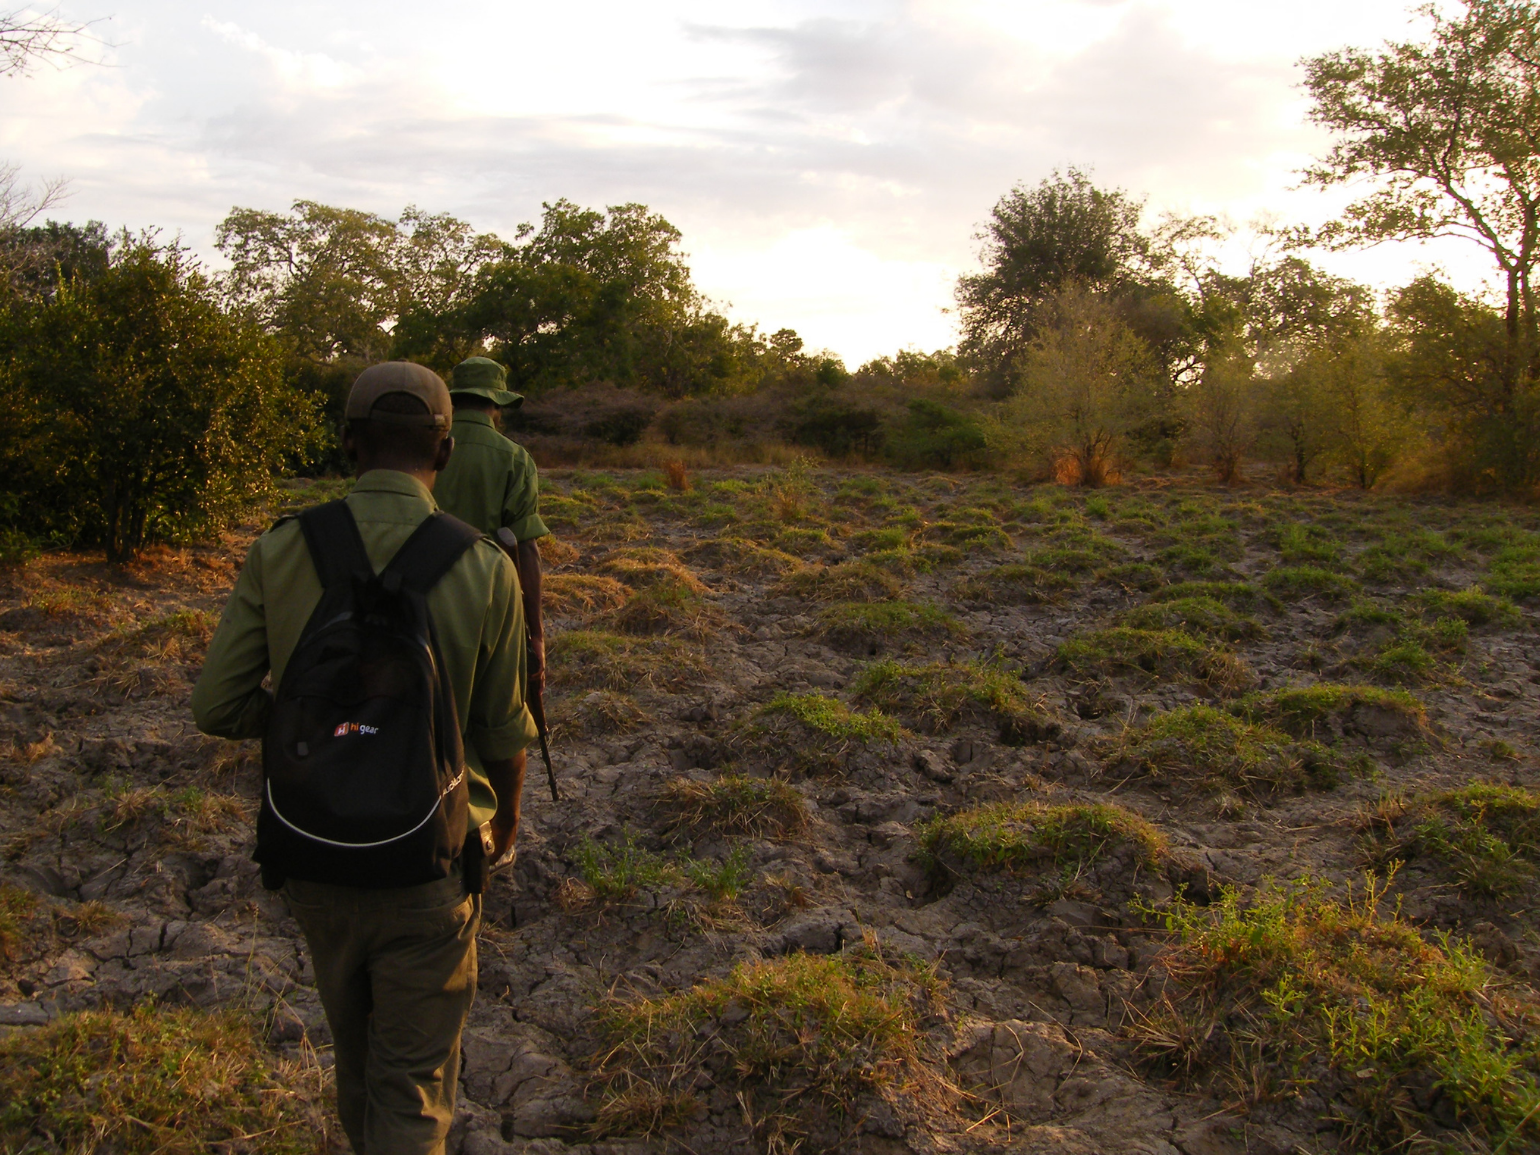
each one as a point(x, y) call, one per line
point(485, 378)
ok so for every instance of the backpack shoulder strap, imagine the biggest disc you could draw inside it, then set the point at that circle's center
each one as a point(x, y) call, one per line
point(336, 548)
point(432, 551)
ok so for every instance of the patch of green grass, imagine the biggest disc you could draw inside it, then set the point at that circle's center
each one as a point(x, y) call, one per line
point(1200, 616)
point(1161, 653)
point(1487, 835)
point(598, 660)
point(156, 1080)
point(1019, 836)
point(1305, 711)
point(972, 536)
point(1220, 751)
point(832, 718)
point(1302, 581)
point(866, 623)
point(1014, 585)
point(1401, 556)
point(1068, 559)
point(806, 1043)
point(1236, 595)
point(1472, 606)
point(733, 804)
point(1514, 571)
point(620, 870)
point(1403, 661)
point(1396, 1031)
point(1190, 559)
point(801, 540)
point(887, 537)
point(1134, 575)
point(936, 696)
point(738, 555)
point(1301, 544)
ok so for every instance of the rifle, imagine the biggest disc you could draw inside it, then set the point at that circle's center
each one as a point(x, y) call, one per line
point(535, 696)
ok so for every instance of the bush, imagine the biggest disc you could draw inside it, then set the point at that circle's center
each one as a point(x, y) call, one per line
point(935, 437)
point(135, 409)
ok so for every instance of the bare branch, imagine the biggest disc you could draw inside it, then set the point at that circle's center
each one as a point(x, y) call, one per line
point(28, 36)
point(21, 205)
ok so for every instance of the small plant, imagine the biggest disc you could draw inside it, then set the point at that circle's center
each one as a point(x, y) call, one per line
point(1165, 653)
point(1019, 836)
point(1274, 993)
point(156, 1080)
point(1221, 752)
point(938, 695)
point(734, 804)
point(721, 882)
point(677, 476)
point(806, 1042)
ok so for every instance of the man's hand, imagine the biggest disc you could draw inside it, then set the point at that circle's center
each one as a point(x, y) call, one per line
point(506, 776)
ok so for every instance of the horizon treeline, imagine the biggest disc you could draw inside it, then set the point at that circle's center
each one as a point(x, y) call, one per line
point(146, 398)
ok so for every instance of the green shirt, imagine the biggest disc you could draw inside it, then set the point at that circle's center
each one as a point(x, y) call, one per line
point(477, 613)
point(490, 481)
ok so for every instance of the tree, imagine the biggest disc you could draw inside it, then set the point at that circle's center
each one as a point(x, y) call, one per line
point(1035, 241)
point(1084, 385)
point(1447, 133)
point(27, 37)
point(136, 408)
point(1221, 408)
point(37, 262)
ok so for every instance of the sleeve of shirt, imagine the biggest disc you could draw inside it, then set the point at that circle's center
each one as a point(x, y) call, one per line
point(500, 724)
point(521, 503)
point(228, 700)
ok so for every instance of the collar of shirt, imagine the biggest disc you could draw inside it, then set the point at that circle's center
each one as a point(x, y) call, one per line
point(474, 417)
point(380, 489)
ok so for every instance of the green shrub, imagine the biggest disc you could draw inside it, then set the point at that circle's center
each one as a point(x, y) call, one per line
point(932, 436)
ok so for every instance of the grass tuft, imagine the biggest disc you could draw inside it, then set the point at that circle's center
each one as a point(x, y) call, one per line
point(1289, 992)
point(1202, 616)
point(1219, 751)
point(1306, 711)
point(1302, 581)
point(1015, 585)
point(804, 1042)
point(936, 696)
point(1163, 653)
point(868, 624)
point(155, 1081)
point(851, 581)
point(1018, 836)
point(1487, 835)
point(600, 660)
point(733, 804)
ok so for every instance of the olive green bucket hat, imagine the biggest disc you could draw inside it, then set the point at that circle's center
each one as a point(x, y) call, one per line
point(485, 378)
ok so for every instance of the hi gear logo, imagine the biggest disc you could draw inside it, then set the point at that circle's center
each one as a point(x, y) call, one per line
point(347, 728)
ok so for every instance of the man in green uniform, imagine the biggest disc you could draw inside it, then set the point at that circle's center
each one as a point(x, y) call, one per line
point(395, 968)
point(491, 483)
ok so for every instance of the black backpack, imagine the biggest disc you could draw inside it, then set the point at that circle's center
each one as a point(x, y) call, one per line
point(363, 765)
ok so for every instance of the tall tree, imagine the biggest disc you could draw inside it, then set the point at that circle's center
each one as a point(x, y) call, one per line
point(1446, 132)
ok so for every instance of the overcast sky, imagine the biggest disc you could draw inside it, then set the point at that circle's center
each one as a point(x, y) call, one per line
point(827, 162)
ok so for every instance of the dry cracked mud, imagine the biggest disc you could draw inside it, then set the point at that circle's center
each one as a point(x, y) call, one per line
point(878, 794)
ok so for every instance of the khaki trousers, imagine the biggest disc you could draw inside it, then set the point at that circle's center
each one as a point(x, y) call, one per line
point(396, 971)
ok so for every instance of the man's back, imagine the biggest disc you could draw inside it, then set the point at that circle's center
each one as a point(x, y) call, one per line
point(490, 481)
point(474, 606)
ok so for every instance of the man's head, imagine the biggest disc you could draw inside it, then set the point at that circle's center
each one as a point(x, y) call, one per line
point(480, 383)
point(398, 417)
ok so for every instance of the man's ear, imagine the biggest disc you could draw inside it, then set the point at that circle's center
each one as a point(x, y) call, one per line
point(441, 458)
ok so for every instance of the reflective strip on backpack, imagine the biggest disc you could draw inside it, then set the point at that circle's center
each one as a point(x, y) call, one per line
point(362, 845)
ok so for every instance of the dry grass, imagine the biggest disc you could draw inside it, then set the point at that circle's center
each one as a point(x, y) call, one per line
point(641, 567)
point(733, 804)
point(740, 556)
point(581, 595)
point(595, 659)
point(31, 927)
point(157, 1081)
point(807, 1044)
point(851, 581)
point(597, 714)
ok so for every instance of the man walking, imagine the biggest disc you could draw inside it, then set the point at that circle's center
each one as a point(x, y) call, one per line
point(395, 965)
point(491, 483)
